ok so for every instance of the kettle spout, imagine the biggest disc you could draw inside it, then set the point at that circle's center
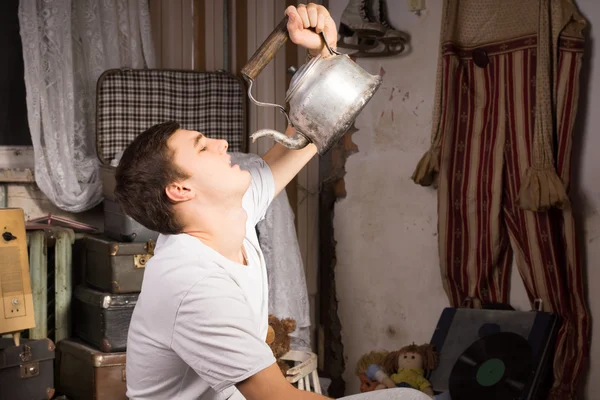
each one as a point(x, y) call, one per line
point(295, 142)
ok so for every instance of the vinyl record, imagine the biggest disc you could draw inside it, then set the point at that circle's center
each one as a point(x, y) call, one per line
point(495, 367)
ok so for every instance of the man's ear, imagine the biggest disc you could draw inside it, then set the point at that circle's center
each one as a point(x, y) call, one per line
point(178, 192)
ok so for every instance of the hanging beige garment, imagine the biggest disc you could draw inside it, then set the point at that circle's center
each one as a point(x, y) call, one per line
point(476, 23)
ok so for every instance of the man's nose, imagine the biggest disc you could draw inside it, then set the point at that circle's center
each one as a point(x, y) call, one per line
point(219, 145)
point(223, 146)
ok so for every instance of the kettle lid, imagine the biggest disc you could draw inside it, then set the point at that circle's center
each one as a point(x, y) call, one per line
point(300, 76)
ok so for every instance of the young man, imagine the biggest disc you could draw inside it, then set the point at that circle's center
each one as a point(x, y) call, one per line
point(199, 327)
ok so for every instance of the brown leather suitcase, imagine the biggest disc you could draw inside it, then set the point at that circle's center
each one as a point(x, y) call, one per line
point(85, 373)
point(102, 319)
point(116, 267)
point(27, 370)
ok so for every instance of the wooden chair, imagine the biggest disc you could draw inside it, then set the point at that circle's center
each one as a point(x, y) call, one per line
point(305, 367)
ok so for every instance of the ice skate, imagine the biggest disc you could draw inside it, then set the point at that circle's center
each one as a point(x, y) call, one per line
point(393, 41)
point(356, 23)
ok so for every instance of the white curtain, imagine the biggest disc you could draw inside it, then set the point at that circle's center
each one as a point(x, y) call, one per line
point(67, 44)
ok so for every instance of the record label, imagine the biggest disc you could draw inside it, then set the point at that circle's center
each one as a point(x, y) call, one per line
point(491, 372)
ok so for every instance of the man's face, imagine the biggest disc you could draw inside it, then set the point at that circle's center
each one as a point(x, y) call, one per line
point(208, 165)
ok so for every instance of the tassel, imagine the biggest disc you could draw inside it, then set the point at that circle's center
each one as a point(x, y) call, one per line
point(542, 189)
point(427, 168)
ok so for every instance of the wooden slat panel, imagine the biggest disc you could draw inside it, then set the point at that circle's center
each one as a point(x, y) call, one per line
point(312, 224)
point(279, 64)
point(17, 157)
point(14, 175)
point(63, 287)
point(38, 270)
point(240, 29)
point(302, 184)
point(291, 59)
point(156, 26)
point(199, 35)
point(187, 34)
point(217, 35)
point(172, 35)
point(209, 30)
point(265, 82)
point(251, 48)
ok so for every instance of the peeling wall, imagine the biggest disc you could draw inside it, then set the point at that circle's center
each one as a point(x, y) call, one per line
point(387, 276)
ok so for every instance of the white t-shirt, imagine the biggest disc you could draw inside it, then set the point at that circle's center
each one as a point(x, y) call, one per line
point(200, 322)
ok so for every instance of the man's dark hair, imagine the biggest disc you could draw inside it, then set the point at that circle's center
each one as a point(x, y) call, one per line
point(144, 171)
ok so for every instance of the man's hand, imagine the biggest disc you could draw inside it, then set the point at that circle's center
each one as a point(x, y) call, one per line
point(269, 384)
point(305, 24)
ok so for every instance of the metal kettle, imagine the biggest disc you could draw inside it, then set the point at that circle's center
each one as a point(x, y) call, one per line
point(325, 95)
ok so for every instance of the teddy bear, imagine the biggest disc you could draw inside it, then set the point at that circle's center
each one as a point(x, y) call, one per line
point(278, 339)
point(405, 368)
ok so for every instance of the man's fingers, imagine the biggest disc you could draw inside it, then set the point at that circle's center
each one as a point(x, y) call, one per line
point(313, 18)
point(320, 23)
point(303, 13)
point(294, 24)
point(331, 32)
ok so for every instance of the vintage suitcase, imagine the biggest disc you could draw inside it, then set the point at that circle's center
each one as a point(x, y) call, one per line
point(116, 267)
point(121, 227)
point(27, 370)
point(85, 373)
point(462, 334)
point(102, 319)
point(129, 101)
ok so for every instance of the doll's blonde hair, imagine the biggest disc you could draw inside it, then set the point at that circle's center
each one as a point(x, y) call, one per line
point(373, 357)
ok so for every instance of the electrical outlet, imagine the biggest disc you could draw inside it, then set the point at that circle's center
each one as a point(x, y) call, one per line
point(416, 5)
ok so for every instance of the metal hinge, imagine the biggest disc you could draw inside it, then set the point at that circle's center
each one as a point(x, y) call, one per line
point(140, 260)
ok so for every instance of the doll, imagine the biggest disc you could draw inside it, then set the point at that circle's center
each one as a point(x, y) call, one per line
point(405, 368)
point(371, 358)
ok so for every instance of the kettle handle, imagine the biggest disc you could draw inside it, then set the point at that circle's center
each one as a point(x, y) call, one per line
point(265, 53)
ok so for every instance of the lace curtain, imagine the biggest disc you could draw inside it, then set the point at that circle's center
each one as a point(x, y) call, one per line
point(67, 45)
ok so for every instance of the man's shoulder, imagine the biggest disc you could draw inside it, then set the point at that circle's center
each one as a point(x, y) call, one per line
point(166, 286)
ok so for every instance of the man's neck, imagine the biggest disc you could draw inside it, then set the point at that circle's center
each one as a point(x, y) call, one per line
point(222, 229)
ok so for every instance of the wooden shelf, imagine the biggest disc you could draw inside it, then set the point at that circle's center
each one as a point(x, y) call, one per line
point(16, 175)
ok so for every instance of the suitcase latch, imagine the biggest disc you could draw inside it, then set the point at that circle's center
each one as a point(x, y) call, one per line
point(30, 370)
point(149, 246)
point(26, 354)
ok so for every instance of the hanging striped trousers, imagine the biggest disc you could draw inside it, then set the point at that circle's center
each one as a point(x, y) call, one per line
point(487, 120)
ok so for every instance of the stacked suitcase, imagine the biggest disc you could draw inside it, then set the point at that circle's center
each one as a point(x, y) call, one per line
point(26, 371)
point(91, 365)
